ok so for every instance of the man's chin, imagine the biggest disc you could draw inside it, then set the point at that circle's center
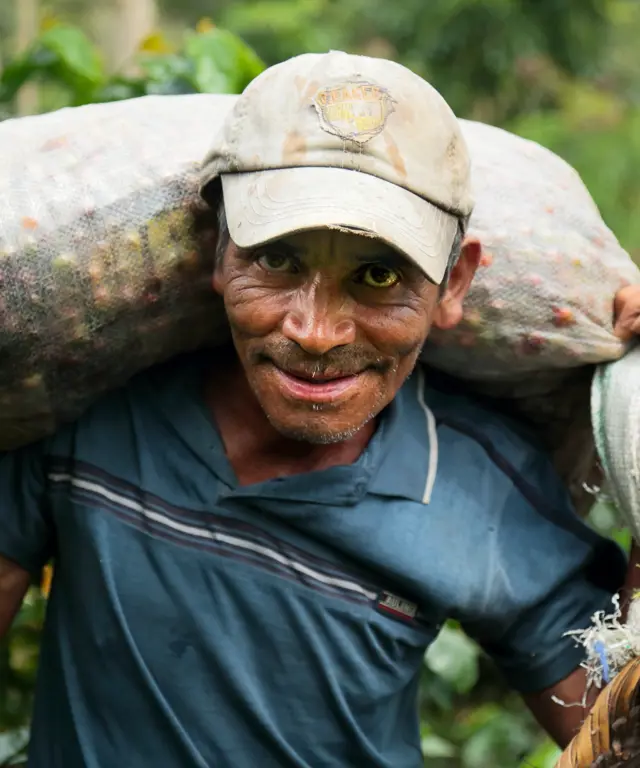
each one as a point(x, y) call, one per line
point(319, 423)
point(316, 433)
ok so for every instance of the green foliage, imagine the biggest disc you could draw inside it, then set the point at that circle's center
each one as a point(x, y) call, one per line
point(18, 664)
point(469, 718)
point(454, 659)
point(221, 62)
point(61, 54)
point(281, 29)
point(470, 49)
point(211, 60)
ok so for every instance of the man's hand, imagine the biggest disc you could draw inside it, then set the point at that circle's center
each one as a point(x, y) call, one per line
point(14, 582)
point(627, 312)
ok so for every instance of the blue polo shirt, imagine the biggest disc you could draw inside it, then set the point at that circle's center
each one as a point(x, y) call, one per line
point(194, 623)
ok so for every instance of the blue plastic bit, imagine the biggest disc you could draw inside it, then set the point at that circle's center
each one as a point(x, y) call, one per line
point(602, 653)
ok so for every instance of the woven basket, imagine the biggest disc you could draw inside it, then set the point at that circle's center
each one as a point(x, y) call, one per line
point(610, 736)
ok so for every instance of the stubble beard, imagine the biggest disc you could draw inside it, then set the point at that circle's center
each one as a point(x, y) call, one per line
point(316, 427)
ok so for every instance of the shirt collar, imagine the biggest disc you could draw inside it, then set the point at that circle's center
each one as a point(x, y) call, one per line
point(409, 464)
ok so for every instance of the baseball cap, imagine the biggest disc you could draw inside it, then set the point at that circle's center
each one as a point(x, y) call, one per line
point(347, 142)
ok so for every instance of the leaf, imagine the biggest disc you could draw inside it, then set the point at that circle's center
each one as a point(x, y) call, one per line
point(14, 76)
point(119, 89)
point(32, 612)
point(545, 756)
point(623, 538)
point(161, 69)
point(12, 742)
point(435, 746)
point(436, 692)
point(175, 87)
point(75, 52)
point(34, 62)
point(61, 53)
point(454, 657)
point(502, 740)
point(222, 62)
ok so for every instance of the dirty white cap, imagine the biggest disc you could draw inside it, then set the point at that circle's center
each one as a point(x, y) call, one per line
point(349, 142)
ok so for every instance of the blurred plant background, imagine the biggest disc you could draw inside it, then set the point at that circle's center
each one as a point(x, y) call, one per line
point(562, 72)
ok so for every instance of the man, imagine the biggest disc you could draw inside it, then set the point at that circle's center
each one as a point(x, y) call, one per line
point(253, 550)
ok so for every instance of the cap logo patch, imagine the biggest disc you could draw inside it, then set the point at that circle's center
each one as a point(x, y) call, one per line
point(354, 110)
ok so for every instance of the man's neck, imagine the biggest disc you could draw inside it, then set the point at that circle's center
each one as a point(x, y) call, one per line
point(255, 449)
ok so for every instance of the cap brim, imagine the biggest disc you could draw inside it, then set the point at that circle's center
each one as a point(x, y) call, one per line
point(266, 205)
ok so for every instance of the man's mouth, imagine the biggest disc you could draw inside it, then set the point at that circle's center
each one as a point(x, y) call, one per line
point(323, 387)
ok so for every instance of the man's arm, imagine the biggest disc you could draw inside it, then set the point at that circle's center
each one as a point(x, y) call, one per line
point(14, 582)
point(26, 530)
point(562, 722)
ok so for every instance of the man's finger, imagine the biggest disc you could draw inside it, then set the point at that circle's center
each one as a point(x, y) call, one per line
point(627, 312)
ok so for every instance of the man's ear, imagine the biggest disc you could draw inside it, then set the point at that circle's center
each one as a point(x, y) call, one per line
point(449, 311)
point(217, 280)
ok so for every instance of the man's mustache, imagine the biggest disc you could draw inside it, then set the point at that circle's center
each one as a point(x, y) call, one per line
point(341, 361)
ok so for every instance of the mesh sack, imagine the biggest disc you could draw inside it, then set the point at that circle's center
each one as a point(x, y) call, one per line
point(100, 273)
point(539, 315)
point(616, 423)
point(543, 296)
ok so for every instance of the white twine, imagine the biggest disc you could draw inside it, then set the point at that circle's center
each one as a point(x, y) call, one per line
point(610, 645)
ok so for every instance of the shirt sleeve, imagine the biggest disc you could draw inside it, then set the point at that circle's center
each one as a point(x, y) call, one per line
point(551, 572)
point(26, 530)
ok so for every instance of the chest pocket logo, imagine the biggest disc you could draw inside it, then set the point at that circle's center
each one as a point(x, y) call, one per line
point(397, 607)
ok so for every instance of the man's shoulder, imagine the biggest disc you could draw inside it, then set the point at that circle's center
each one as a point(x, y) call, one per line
point(148, 398)
point(490, 457)
point(462, 416)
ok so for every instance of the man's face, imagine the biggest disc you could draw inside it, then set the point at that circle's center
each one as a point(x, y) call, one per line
point(327, 326)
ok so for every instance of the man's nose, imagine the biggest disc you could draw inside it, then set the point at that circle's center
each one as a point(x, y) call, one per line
point(320, 318)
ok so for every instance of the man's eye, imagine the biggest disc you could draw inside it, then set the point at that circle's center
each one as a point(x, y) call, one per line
point(379, 276)
point(277, 262)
